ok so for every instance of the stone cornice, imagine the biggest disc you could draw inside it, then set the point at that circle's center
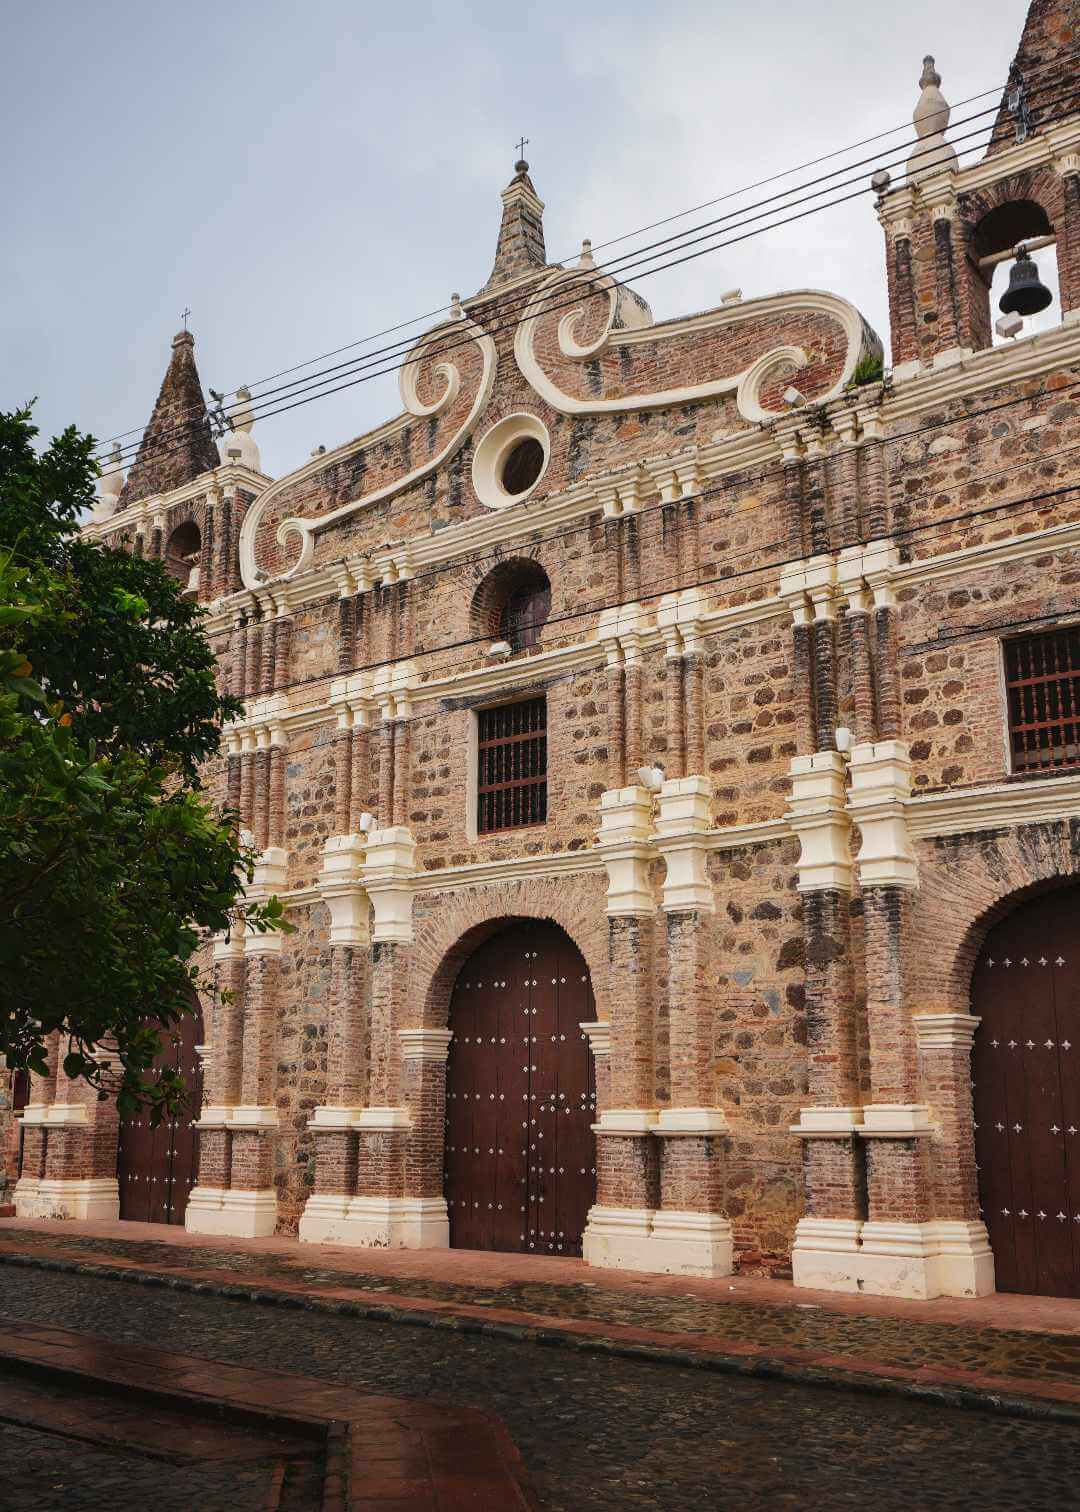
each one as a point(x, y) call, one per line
point(1031, 801)
point(964, 811)
point(988, 554)
point(709, 462)
point(993, 367)
point(228, 475)
point(932, 191)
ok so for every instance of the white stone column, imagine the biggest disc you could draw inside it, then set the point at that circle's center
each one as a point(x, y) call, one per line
point(620, 1222)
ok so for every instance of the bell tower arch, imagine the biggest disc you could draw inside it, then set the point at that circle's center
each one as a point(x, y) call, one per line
point(963, 231)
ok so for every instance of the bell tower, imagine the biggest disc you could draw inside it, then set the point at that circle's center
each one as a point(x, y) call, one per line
point(948, 227)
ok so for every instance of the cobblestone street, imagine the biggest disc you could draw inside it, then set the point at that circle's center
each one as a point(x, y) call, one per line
point(594, 1431)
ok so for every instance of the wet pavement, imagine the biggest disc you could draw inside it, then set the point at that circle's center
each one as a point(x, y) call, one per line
point(901, 1342)
point(594, 1431)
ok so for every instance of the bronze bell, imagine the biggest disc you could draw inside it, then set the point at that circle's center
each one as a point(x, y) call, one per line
point(1026, 294)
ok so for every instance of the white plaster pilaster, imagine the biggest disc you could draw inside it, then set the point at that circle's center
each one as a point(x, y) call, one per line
point(341, 889)
point(624, 843)
point(683, 821)
point(818, 817)
point(880, 789)
point(388, 873)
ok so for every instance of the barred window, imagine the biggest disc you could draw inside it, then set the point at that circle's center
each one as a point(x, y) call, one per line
point(512, 768)
point(1042, 678)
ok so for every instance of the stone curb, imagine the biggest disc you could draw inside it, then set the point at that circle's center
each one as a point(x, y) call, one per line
point(944, 1394)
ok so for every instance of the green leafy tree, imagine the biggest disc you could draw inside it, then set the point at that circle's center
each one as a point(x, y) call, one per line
point(114, 863)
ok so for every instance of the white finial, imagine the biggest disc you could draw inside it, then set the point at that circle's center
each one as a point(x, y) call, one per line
point(243, 416)
point(109, 484)
point(586, 258)
point(238, 444)
point(932, 153)
point(456, 312)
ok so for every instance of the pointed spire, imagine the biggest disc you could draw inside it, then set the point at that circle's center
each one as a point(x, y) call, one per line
point(1037, 92)
point(931, 153)
point(176, 445)
point(520, 248)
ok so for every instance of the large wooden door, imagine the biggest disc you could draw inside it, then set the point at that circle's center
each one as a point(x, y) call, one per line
point(156, 1166)
point(1026, 1071)
point(520, 1096)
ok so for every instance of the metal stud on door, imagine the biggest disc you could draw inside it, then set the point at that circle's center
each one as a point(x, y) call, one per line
point(156, 1165)
point(1026, 990)
point(520, 1152)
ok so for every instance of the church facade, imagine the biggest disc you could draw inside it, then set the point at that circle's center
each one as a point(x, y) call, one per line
point(665, 736)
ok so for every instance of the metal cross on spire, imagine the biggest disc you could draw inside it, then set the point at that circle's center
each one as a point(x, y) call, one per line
point(184, 315)
point(521, 146)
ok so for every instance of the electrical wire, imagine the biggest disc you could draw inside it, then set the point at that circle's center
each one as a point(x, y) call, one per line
point(604, 271)
point(575, 297)
point(751, 477)
point(721, 583)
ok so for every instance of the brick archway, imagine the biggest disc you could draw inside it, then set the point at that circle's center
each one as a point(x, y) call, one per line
point(520, 1152)
point(967, 884)
point(449, 929)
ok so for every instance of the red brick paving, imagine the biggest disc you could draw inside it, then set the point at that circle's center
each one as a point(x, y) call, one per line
point(382, 1452)
point(488, 1271)
point(1006, 1346)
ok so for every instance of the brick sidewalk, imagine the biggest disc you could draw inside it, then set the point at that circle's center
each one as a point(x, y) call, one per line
point(375, 1453)
point(1020, 1352)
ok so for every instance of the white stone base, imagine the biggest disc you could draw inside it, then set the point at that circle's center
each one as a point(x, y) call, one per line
point(376, 1222)
point(691, 1244)
point(223, 1210)
point(825, 1254)
point(662, 1243)
point(617, 1238)
point(90, 1200)
point(915, 1260)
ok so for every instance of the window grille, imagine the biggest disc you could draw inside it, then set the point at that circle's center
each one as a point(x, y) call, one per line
point(512, 769)
point(1042, 677)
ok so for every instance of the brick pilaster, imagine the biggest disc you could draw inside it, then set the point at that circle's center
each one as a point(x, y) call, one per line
point(345, 1069)
point(262, 968)
point(627, 1172)
point(634, 756)
point(616, 724)
point(675, 756)
point(690, 1009)
point(630, 953)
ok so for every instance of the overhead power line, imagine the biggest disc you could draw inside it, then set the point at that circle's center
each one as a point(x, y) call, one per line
point(596, 278)
point(662, 582)
point(635, 252)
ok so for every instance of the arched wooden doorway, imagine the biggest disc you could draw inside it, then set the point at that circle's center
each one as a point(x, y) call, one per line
point(156, 1167)
point(1026, 1070)
point(520, 1095)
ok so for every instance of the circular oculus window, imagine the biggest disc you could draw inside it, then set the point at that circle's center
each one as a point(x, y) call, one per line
point(510, 460)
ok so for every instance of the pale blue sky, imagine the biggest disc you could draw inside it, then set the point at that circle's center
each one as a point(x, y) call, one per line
point(301, 175)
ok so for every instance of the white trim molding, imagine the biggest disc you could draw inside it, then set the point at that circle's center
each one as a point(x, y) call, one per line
point(88, 1199)
point(231, 1211)
point(913, 1260)
point(376, 1222)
